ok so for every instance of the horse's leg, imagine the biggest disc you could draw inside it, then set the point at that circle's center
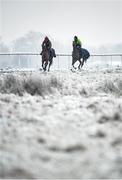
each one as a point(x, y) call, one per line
point(42, 63)
point(73, 62)
point(46, 63)
point(50, 63)
point(82, 63)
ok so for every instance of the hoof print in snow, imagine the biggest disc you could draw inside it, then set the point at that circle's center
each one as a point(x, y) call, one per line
point(98, 134)
point(75, 148)
point(83, 92)
point(117, 142)
point(93, 108)
point(16, 173)
point(103, 119)
point(41, 140)
point(68, 149)
point(117, 117)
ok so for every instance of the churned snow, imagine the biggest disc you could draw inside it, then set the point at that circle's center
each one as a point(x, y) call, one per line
point(61, 124)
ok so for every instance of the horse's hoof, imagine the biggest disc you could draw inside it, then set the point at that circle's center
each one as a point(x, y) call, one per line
point(40, 69)
point(79, 69)
point(73, 70)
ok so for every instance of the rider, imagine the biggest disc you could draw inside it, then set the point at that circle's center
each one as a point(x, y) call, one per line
point(77, 42)
point(46, 43)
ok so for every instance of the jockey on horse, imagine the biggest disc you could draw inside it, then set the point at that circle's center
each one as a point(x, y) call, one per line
point(76, 54)
point(79, 53)
point(47, 53)
point(46, 44)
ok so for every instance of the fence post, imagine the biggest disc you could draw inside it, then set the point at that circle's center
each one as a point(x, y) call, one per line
point(19, 60)
point(58, 62)
point(121, 59)
point(111, 61)
point(28, 62)
point(9, 60)
point(68, 62)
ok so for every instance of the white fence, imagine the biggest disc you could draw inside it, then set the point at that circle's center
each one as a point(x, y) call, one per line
point(61, 62)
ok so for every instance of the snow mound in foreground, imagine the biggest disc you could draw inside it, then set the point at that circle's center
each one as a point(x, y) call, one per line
point(32, 84)
point(113, 86)
point(61, 83)
point(74, 133)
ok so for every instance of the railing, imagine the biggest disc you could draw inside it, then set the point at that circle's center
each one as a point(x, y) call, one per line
point(62, 61)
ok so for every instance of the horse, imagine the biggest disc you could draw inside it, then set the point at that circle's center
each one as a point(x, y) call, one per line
point(78, 54)
point(47, 58)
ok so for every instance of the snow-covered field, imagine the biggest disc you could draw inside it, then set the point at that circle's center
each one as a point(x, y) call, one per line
point(61, 124)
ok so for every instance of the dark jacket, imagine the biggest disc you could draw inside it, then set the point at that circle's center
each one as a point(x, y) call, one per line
point(46, 44)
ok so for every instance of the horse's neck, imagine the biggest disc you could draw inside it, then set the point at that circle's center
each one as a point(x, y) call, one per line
point(45, 53)
point(45, 48)
point(76, 50)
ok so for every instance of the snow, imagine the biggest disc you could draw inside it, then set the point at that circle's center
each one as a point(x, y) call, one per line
point(61, 124)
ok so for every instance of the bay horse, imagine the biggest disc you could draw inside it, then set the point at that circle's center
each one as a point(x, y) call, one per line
point(47, 58)
point(78, 54)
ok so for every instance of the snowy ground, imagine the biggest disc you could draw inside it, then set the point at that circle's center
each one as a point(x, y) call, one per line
point(61, 124)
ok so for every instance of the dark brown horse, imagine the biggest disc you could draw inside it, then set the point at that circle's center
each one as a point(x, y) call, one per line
point(47, 58)
point(81, 55)
point(76, 56)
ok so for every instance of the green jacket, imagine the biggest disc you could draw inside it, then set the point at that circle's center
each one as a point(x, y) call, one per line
point(77, 43)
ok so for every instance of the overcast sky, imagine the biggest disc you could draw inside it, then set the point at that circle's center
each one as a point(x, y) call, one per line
point(96, 22)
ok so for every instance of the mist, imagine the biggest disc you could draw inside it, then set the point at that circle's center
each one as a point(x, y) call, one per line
point(24, 24)
point(64, 122)
point(31, 43)
point(96, 23)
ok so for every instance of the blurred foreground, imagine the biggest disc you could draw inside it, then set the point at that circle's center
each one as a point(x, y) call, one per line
point(61, 124)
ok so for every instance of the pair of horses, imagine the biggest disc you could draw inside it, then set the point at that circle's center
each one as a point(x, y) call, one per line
point(77, 55)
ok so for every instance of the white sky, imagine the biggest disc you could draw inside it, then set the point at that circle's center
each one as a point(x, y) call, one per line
point(96, 22)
